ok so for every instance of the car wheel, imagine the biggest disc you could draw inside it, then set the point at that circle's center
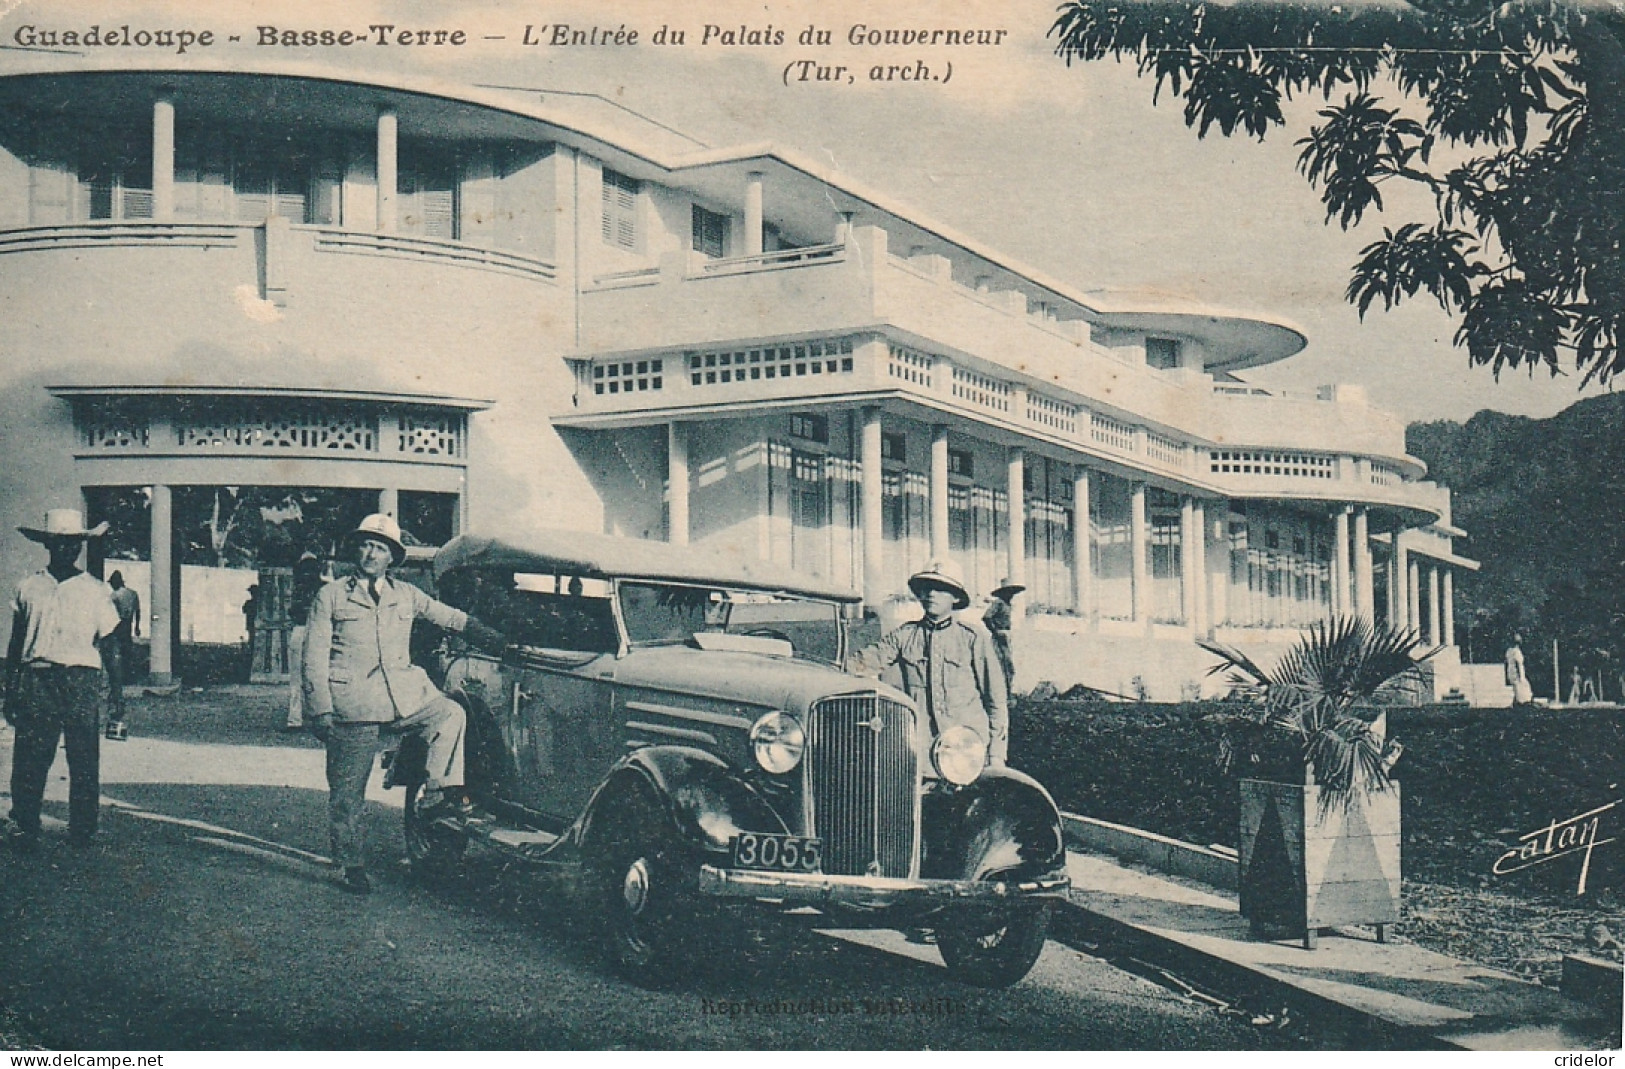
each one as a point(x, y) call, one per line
point(434, 850)
point(994, 948)
point(640, 892)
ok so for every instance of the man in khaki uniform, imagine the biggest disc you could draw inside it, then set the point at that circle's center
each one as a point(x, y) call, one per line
point(360, 681)
point(948, 666)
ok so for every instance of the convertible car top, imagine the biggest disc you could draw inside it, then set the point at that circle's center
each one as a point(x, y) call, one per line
point(593, 556)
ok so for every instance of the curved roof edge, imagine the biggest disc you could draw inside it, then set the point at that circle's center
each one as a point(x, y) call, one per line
point(466, 404)
point(1263, 339)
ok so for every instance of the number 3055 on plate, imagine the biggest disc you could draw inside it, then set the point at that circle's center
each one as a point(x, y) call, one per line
point(777, 853)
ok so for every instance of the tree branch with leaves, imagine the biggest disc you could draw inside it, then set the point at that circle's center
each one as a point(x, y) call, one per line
point(1510, 115)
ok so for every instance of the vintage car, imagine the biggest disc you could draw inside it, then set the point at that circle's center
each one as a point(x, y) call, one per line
point(675, 729)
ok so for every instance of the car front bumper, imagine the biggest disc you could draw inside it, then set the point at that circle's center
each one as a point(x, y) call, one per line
point(815, 889)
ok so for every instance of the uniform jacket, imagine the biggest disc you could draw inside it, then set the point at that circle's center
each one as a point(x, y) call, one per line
point(358, 664)
point(958, 684)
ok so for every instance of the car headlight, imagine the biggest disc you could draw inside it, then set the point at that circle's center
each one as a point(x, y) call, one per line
point(959, 754)
point(778, 741)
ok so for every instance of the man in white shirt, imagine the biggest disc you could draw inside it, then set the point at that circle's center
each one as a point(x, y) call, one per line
point(53, 681)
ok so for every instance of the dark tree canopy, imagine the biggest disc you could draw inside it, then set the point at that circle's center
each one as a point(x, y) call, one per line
point(1512, 115)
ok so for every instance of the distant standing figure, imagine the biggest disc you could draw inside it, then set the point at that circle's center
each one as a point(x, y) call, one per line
point(307, 581)
point(1516, 677)
point(997, 621)
point(53, 683)
point(121, 652)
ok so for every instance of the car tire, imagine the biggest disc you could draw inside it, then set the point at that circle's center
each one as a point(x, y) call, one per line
point(435, 852)
point(639, 892)
point(994, 949)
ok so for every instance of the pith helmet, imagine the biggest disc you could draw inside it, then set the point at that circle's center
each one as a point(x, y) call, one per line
point(384, 529)
point(1007, 590)
point(63, 523)
point(944, 575)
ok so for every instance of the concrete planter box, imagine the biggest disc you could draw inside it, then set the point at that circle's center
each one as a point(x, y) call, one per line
point(1305, 866)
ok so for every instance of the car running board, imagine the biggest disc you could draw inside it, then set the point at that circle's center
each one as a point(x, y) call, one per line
point(526, 844)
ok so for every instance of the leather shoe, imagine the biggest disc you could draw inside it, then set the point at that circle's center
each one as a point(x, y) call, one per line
point(355, 881)
point(452, 804)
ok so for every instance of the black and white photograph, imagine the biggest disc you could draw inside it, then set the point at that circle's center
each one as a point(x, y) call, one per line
point(945, 525)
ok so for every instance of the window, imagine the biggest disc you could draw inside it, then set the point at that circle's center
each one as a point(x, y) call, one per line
point(620, 210)
point(116, 185)
point(427, 199)
point(960, 462)
point(894, 446)
point(710, 233)
point(1161, 353)
point(810, 428)
point(267, 187)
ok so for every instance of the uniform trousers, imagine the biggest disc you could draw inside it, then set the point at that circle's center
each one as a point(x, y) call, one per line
point(351, 750)
point(57, 704)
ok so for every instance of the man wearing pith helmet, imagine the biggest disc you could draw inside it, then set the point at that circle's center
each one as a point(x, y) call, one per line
point(360, 681)
point(948, 666)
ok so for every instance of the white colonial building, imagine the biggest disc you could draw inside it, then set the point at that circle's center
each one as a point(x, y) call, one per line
point(494, 309)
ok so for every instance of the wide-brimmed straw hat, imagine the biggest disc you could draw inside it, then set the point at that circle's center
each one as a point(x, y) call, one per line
point(63, 523)
point(943, 575)
point(384, 528)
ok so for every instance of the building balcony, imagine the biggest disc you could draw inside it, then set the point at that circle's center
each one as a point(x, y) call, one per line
point(848, 324)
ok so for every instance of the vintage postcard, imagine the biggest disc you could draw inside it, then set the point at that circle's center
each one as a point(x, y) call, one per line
point(811, 525)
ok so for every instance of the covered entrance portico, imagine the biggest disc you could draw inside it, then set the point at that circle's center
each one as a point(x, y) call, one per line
point(393, 450)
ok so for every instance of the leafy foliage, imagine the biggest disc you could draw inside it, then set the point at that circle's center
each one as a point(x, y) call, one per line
point(1323, 697)
point(1528, 226)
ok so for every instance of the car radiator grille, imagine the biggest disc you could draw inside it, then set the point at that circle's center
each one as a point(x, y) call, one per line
point(863, 783)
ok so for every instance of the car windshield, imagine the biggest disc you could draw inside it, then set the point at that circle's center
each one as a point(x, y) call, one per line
point(668, 613)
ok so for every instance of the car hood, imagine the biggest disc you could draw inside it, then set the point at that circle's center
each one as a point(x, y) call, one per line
point(747, 678)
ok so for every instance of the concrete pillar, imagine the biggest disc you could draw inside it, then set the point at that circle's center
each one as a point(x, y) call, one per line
point(1139, 557)
point(1188, 535)
point(163, 159)
point(1340, 563)
point(1435, 618)
point(1365, 595)
point(753, 213)
point(1016, 567)
point(1198, 550)
point(389, 502)
point(677, 483)
point(1413, 594)
point(843, 229)
point(1218, 599)
point(939, 492)
point(1447, 603)
point(872, 504)
point(1083, 574)
point(162, 595)
point(388, 170)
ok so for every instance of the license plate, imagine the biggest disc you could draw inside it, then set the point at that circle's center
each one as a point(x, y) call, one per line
point(777, 853)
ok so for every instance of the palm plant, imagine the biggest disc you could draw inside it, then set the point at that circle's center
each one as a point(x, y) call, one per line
point(1319, 710)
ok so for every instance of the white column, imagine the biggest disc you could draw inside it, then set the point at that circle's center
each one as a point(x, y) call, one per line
point(1435, 618)
point(1187, 561)
point(1413, 594)
point(872, 504)
point(389, 502)
point(753, 213)
point(939, 492)
point(1083, 575)
point(388, 170)
point(1340, 563)
point(1218, 585)
point(1016, 489)
point(677, 483)
point(1365, 596)
point(1198, 549)
point(1139, 557)
point(162, 593)
point(163, 159)
point(1447, 602)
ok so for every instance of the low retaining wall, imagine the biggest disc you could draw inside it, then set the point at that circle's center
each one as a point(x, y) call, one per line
point(1216, 867)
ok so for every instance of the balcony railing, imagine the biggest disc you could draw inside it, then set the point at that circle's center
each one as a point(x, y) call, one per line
point(407, 247)
point(113, 235)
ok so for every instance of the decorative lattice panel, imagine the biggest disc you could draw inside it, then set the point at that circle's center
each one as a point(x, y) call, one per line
point(309, 429)
point(439, 435)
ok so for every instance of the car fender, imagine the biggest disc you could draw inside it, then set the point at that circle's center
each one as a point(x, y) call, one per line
point(705, 802)
point(1004, 823)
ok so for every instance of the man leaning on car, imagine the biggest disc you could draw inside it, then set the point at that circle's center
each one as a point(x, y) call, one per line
point(360, 681)
point(948, 666)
